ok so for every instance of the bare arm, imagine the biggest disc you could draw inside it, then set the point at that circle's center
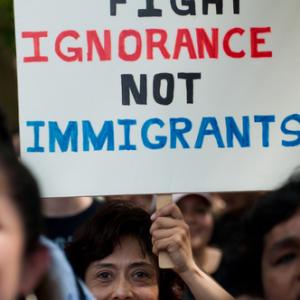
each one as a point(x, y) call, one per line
point(171, 234)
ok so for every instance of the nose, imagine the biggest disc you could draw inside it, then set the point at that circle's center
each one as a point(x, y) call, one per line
point(123, 289)
point(189, 218)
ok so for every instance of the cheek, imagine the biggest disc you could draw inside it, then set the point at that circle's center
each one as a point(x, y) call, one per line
point(106, 292)
point(205, 225)
point(11, 256)
point(147, 293)
point(100, 292)
point(276, 285)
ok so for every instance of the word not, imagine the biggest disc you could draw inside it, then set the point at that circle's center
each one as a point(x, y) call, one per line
point(140, 94)
point(186, 7)
point(156, 134)
point(200, 43)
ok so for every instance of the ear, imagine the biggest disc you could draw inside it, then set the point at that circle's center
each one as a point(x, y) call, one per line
point(34, 269)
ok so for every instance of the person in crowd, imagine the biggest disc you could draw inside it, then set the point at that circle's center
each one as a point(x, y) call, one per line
point(196, 209)
point(62, 216)
point(270, 260)
point(29, 263)
point(23, 260)
point(115, 253)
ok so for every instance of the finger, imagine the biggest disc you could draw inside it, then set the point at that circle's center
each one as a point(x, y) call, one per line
point(163, 233)
point(165, 245)
point(170, 210)
point(166, 223)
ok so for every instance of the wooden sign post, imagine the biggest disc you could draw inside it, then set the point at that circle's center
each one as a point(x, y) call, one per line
point(163, 258)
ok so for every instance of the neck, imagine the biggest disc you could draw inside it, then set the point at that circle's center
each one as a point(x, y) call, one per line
point(199, 257)
point(65, 207)
point(208, 259)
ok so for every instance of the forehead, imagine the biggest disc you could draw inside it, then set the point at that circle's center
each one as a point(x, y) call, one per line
point(289, 229)
point(193, 201)
point(128, 250)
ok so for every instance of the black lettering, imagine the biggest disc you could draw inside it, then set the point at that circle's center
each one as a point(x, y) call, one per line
point(218, 3)
point(150, 11)
point(158, 78)
point(113, 6)
point(129, 85)
point(190, 4)
point(189, 79)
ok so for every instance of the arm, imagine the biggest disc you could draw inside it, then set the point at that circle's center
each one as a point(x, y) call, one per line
point(171, 234)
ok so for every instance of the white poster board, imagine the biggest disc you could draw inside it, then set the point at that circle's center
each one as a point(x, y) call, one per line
point(125, 97)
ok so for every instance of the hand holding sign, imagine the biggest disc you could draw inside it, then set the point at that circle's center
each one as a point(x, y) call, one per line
point(171, 235)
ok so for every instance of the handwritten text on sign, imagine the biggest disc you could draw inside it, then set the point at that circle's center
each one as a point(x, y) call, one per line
point(193, 88)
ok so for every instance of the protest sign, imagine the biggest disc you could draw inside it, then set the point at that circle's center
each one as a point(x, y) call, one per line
point(125, 97)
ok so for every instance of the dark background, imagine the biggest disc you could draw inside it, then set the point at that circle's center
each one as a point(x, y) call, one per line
point(8, 77)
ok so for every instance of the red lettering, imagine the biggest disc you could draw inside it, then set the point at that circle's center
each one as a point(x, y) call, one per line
point(256, 41)
point(104, 52)
point(36, 36)
point(210, 44)
point(123, 54)
point(159, 44)
point(77, 52)
point(184, 40)
point(226, 43)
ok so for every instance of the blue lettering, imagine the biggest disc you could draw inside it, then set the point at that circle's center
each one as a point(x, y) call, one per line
point(233, 131)
point(127, 125)
point(69, 137)
point(160, 140)
point(36, 133)
point(204, 131)
point(265, 122)
point(177, 134)
point(285, 130)
point(97, 141)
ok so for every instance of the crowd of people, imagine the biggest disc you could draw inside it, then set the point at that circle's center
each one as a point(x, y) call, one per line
point(222, 246)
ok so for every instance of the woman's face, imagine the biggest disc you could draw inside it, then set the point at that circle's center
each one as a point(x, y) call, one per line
point(197, 215)
point(125, 274)
point(11, 245)
point(281, 261)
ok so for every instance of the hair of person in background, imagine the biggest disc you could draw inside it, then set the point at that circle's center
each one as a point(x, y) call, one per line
point(5, 138)
point(25, 196)
point(269, 224)
point(22, 259)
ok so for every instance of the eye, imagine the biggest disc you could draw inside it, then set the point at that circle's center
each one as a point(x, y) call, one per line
point(141, 275)
point(201, 210)
point(104, 276)
point(285, 259)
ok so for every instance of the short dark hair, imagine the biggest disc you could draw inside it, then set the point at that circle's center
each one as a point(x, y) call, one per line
point(24, 193)
point(272, 209)
point(97, 239)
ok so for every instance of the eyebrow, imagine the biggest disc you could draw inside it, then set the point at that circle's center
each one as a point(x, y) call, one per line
point(132, 265)
point(286, 243)
point(105, 265)
point(141, 264)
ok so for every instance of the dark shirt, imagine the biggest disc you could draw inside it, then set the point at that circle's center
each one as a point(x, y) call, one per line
point(60, 230)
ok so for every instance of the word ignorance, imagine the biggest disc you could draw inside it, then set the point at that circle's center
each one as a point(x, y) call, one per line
point(156, 134)
point(155, 43)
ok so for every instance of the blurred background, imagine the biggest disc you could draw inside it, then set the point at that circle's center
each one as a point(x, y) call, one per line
point(8, 73)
